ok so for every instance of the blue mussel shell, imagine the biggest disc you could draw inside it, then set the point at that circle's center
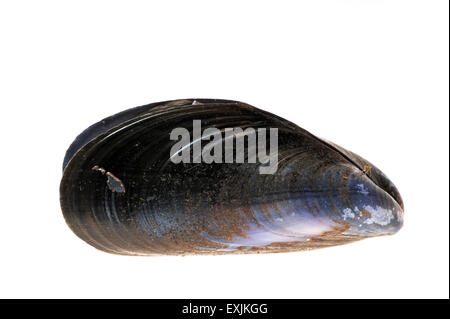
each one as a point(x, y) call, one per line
point(121, 193)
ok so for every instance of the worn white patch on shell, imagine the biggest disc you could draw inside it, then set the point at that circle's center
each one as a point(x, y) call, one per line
point(363, 189)
point(379, 215)
point(348, 213)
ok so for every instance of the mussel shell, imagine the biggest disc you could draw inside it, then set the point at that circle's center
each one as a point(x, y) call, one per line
point(122, 194)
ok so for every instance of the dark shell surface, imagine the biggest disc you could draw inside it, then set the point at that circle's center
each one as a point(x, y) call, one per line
point(122, 194)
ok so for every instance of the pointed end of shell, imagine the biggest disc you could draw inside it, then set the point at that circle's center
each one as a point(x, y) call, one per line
point(374, 212)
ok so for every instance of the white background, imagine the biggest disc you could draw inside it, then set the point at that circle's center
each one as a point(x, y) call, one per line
point(371, 76)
